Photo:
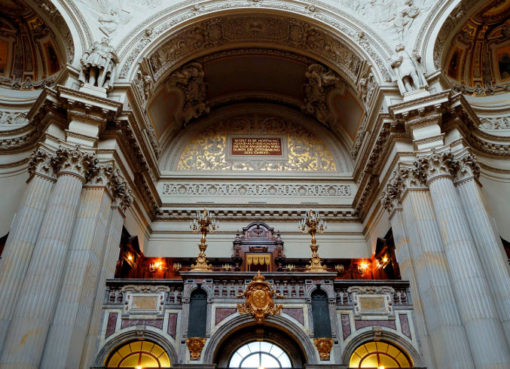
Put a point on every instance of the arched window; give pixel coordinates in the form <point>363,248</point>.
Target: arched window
<point>260,354</point>
<point>138,355</point>
<point>197,313</point>
<point>379,354</point>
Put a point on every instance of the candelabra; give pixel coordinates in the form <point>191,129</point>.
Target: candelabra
<point>204,223</point>
<point>311,223</point>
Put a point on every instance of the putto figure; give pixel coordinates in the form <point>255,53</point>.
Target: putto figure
<point>98,65</point>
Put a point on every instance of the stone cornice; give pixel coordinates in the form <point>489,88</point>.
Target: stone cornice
<point>266,214</point>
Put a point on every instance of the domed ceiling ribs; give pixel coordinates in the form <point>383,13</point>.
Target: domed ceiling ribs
<point>478,59</point>
<point>30,55</point>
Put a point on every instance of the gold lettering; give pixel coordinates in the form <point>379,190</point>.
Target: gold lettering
<point>256,146</point>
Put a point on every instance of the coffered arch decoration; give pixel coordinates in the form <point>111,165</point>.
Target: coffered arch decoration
<point>256,138</point>
<point>340,47</point>
<point>35,44</point>
<point>473,47</point>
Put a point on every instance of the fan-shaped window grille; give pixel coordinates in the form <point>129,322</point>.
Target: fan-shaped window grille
<point>139,354</point>
<point>378,354</point>
<point>260,354</point>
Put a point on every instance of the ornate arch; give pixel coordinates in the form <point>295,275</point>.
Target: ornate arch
<point>381,333</point>
<point>132,334</point>
<point>276,321</point>
<point>332,25</point>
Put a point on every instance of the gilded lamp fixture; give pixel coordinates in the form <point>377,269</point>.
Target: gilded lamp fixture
<point>311,223</point>
<point>204,223</point>
<point>259,301</point>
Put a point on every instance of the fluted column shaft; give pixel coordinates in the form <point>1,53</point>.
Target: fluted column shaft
<point>35,307</point>
<point>442,318</point>
<point>408,272</point>
<point>68,330</point>
<point>111,254</point>
<point>21,240</point>
<point>477,310</point>
<point>490,248</point>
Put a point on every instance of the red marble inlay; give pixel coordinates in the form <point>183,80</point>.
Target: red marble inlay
<point>296,313</point>
<point>404,325</point>
<point>126,323</point>
<point>222,313</point>
<point>346,325</point>
<point>172,325</point>
<point>373,323</point>
<point>112,323</point>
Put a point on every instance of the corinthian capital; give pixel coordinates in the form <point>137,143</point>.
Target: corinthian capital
<point>74,162</point>
<point>120,190</point>
<point>107,176</point>
<point>402,179</point>
<point>436,165</point>
<point>40,163</point>
<point>468,168</point>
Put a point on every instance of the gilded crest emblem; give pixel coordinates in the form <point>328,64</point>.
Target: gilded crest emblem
<point>259,302</point>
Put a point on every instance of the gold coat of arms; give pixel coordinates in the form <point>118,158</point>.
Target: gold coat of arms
<point>259,302</point>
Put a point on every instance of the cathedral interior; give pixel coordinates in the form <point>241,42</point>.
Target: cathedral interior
<point>261,184</point>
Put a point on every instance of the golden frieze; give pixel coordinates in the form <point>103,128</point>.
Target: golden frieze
<point>195,346</point>
<point>259,295</point>
<point>324,346</point>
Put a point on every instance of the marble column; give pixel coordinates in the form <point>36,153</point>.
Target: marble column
<point>34,310</point>
<point>446,331</point>
<point>408,273</point>
<point>111,254</point>
<point>490,249</point>
<point>23,235</point>
<point>68,331</point>
<point>488,344</point>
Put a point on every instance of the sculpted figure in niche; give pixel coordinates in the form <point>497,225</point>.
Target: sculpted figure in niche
<point>408,70</point>
<point>320,81</point>
<point>98,65</point>
<point>190,80</point>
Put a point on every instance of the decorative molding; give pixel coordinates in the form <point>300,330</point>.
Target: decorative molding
<point>266,214</point>
<point>495,123</point>
<point>324,346</point>
<point>259,295</point>
<point>248,189</point>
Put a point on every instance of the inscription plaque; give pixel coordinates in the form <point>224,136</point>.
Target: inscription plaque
<point>256,146</point>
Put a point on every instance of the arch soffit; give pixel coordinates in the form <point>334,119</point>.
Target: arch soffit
<point>276,321</point>
<point>78,29</point>
<point>382,334</point>
<point>132,334</point>
<point>173,146</point>
<point>334,27</point>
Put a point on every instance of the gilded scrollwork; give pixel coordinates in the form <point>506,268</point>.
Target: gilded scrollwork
<point>209,149</point>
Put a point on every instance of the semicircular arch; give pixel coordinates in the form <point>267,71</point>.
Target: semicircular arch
<point>286,326</point>
<point>332,40</point>
<point>133,334</point>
